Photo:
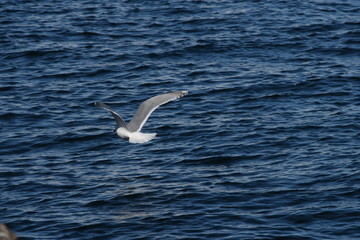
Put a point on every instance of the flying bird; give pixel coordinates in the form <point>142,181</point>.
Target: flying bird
<point>131,131</point>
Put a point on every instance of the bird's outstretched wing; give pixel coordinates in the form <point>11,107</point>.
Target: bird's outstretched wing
<point>119,121</point>
<point>146,108</point>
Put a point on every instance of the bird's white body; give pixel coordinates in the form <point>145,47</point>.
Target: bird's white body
<point>134,137</point>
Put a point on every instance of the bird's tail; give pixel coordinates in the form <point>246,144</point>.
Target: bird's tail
<point>138,137</point>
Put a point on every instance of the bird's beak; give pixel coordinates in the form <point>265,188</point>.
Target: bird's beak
<point>115,130</point>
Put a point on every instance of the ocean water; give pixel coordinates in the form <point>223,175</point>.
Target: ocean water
<point>266,145</point>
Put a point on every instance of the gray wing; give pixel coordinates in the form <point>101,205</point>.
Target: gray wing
<point>119,121</point>
<point>146,108</point>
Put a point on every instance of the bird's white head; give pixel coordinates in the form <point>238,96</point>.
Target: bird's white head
<point>123,133</point>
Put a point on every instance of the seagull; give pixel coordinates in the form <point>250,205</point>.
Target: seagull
<point>131,131</point>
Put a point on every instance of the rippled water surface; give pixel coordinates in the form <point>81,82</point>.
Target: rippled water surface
<point>266,145</point>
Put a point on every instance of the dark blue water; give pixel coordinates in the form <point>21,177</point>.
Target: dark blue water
<point>266,145</point>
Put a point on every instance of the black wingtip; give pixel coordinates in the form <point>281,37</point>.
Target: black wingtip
<point>97,104</point>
